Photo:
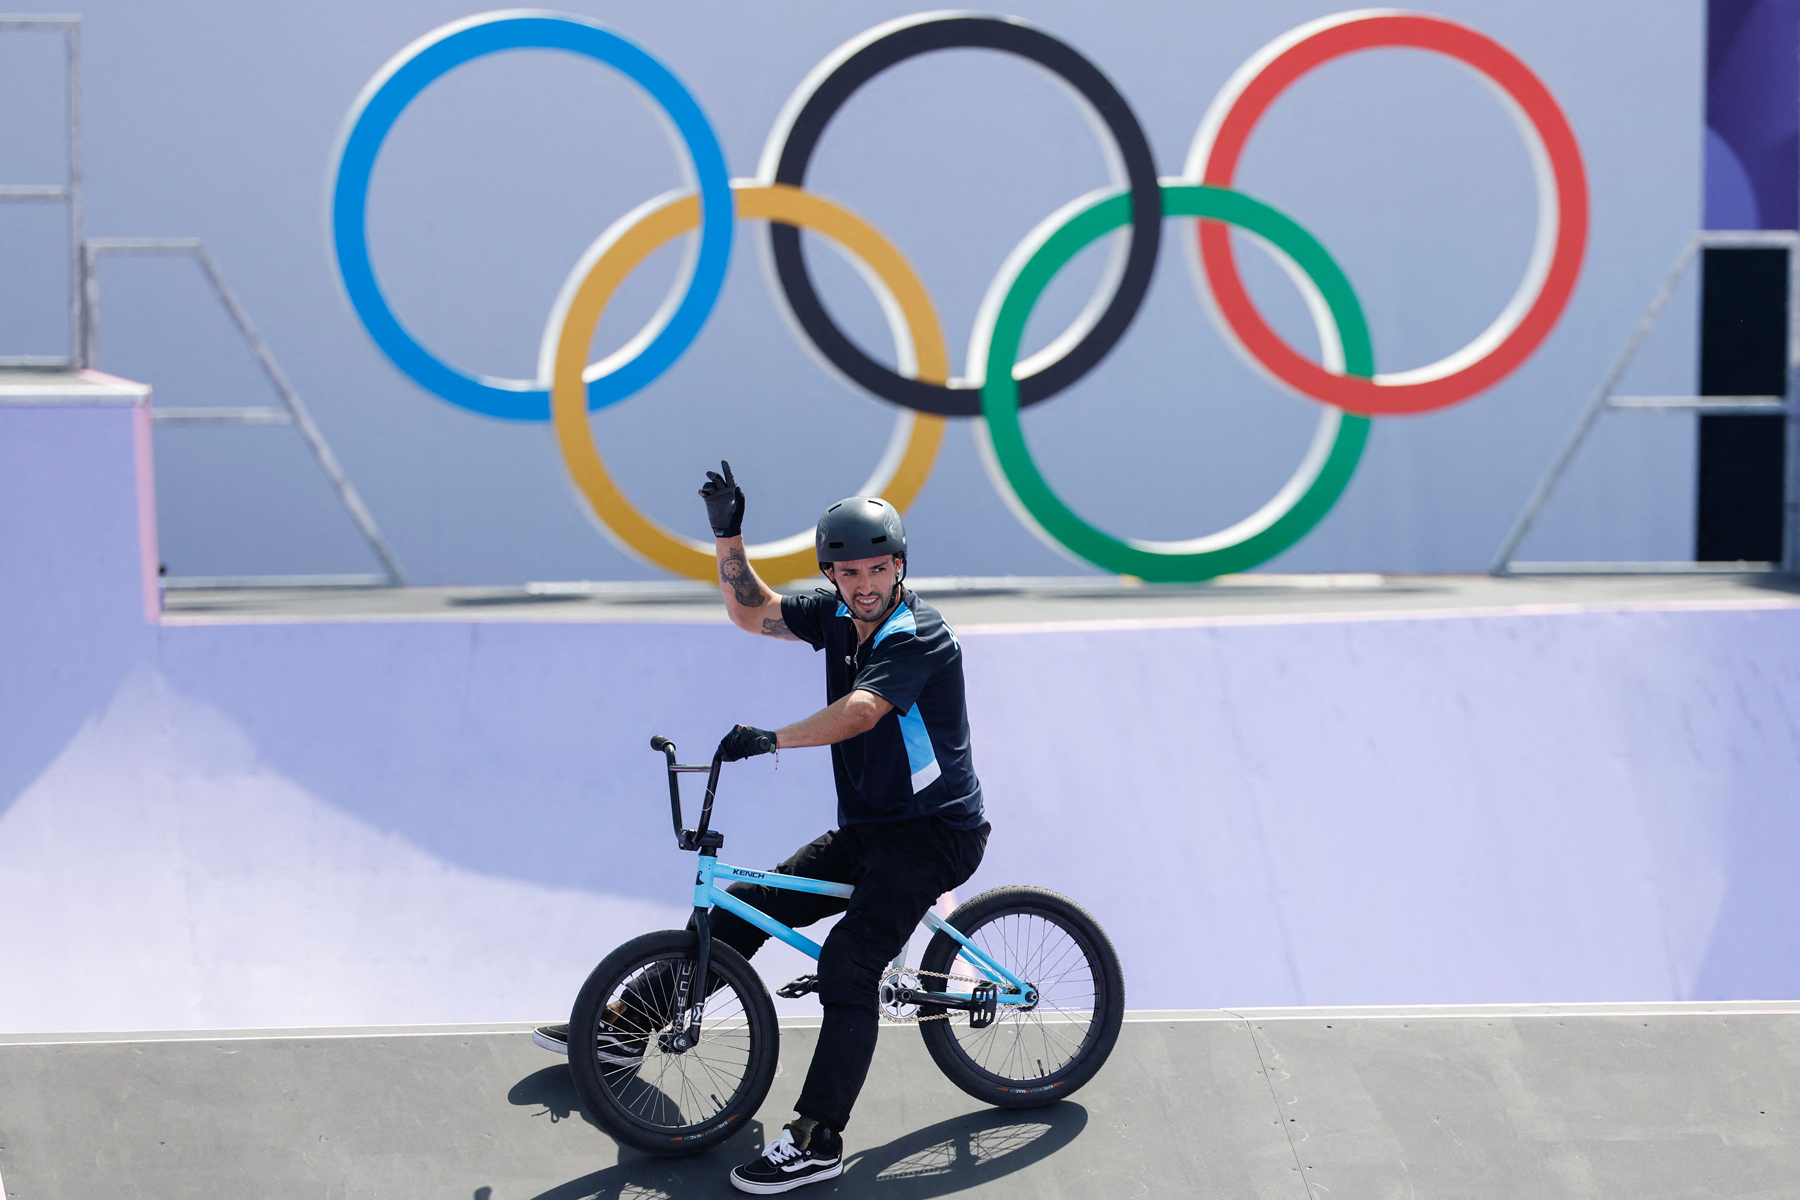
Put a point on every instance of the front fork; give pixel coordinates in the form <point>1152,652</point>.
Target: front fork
<point>690,988</point>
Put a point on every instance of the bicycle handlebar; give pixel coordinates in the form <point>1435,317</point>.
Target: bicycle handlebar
<point>689,839</point>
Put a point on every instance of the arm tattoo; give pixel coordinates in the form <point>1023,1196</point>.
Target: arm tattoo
<point>745,587</point>
<point>748,591</point>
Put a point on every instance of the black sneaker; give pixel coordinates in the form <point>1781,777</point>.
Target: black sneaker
<point>614,1049</point>
<point>785,1165</point>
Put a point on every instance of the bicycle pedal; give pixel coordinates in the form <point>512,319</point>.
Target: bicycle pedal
<point>798,988</point>
<point>983,1005</point>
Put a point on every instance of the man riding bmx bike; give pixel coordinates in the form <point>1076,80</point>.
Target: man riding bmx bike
<point>910,822</point>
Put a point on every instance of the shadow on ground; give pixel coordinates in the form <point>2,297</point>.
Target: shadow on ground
<point>554,1088</point>
<point>964,1152</point>
<point>951,1156</point>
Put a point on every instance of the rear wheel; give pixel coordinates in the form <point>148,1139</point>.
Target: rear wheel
<point>1037,1054</point>
<point>671,1101</point>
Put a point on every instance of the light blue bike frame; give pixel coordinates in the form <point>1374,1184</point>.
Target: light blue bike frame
<point>708,894</point>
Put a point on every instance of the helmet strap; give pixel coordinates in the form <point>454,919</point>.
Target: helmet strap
<point>899,582</point>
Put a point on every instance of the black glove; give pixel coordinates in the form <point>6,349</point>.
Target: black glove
<point>724,502</point>
<point>744,741</point>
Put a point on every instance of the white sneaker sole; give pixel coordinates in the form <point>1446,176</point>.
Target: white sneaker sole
<point>619,1060</point>
<point>562,1048</point>
<point>772,1189</point>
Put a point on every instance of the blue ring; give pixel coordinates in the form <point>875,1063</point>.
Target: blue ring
<point>423,63</point>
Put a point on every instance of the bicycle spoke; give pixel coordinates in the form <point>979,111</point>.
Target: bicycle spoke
<point>1025,1045</point>
<point>667,1089</point>
<point>1049,1034</point>
<point>712,1077</point>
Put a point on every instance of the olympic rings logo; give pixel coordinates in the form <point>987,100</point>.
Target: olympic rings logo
<point>996,385</point>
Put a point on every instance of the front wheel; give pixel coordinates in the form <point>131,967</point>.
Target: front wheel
<point>1028,1056</point>
<point>633,1077</point>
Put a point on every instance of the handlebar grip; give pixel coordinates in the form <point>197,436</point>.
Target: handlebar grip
<point>660,743</point>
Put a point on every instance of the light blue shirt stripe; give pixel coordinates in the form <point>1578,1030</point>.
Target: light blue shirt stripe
<point>901,622</point>
<point>919,754</point>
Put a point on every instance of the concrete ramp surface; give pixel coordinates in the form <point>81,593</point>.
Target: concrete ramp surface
<point>1660,1100</point>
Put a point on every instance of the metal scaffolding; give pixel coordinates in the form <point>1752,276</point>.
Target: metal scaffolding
<point>293,410</point>
<point>1606,400</point>
<point>84,309</point>
<point>67,192</point>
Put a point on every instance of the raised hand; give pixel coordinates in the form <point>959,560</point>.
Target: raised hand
<point>724,502</point>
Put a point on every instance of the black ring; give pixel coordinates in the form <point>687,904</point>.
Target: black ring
<point>987,33</point>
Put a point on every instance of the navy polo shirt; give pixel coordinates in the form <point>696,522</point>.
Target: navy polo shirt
<point>915,762</point>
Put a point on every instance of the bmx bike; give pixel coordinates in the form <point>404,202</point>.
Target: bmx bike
<point>673,1040</point>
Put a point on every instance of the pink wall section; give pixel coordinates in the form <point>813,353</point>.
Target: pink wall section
<point>144,474</point>
<point>388,821</point>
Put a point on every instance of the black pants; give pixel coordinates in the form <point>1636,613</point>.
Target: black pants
<point>899,870</point>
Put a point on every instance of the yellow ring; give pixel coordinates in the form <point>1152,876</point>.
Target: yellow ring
<point>902,471</point>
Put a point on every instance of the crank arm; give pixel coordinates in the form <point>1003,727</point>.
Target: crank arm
<point>937,999</point>
<point>980,1006</point>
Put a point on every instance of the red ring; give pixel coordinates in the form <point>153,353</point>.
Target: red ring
<point>1500,65</point>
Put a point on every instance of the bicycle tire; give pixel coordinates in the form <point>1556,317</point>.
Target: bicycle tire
<point>670,1103</point>
<point>1053,943</point>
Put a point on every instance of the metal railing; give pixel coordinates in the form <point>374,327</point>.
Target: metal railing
<point>84,307</point>
<point>1605,400</point>
<point>292,410</point>
<point>68,192</point>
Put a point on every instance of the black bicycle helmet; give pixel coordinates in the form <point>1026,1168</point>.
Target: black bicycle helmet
<point>859,527</point>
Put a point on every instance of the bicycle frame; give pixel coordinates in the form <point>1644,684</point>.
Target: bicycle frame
<point>708,894</point>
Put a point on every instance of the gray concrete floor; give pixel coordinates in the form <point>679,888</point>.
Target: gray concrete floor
<point>969,603</point>
<point>1627,1101</point>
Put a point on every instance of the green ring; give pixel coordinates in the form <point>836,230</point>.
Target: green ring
<point>1202,558</point>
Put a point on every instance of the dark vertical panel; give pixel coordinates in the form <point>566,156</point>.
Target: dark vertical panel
<point>1743,352</point>
<point>1752,182</point>
<point>1743,322</point>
